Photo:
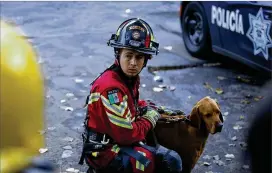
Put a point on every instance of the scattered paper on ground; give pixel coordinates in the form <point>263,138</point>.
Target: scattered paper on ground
<point>70,95</point>
<point>67,108</point>
<point>216,157</point>
<point>168,47</point>
<point>68,139</point>
<point>258,98</point>
<point>68,147</point>
<point>219,90</point>
<point>219,162</point>
<point>234,138</point>
<point>245,101</point>
<point>51,128</point>
<point>162,86</point>
<point>207,85</point>
<point>242,117</point>
<point>72,170</point>
<point>221,78</point>
<point>172,88</point>
<point>66,154</point>
<point>156,89</point>
<point>237,127</point>
<point>77,80</point>
<point>206,164</point>
<point>230,156</point>
<point>158,79</point>
<point>242,79</point>
<point>43,150</point>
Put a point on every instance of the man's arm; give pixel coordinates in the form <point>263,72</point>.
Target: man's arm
<point>124,129</point>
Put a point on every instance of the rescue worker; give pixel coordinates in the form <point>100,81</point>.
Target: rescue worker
<point>21,105</point>
<point>117,122</point>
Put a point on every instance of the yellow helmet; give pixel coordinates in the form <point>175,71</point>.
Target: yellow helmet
<point>22,101</point>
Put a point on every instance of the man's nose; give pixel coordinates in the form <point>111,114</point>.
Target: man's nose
<point>133,61</point>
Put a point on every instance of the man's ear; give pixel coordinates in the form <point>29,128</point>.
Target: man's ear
<point>195,117</point>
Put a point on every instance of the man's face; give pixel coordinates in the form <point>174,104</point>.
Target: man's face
<point>131,62</point>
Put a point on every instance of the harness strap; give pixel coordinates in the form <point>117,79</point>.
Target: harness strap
<point>136,155</point>
<point>149,148</point>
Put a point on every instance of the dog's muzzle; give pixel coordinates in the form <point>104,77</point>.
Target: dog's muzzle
<point>219,127</point>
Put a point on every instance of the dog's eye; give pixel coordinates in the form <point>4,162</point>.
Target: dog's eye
<point>208,115</point>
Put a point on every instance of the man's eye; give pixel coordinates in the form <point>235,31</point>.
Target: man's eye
<point>140,57</point>
<point>128,56</point>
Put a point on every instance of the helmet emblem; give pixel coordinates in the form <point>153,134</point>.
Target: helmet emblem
<point>136,35</point>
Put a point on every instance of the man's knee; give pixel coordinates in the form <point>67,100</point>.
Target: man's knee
<point>168,161</point>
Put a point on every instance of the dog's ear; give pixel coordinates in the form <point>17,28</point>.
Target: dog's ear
<point>195,117</point>
<point>221,117</point>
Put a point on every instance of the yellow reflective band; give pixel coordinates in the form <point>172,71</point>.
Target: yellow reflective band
<point>115,149</point>
<point>94,97</point>
<point>128,115</point>
<point>94,154</point>
<point>123,107</point>
<point>125,98</point>
<point>118,110</point>
<point>121,122</point>
<point>138,164</point>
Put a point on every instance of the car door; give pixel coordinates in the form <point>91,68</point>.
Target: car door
<point>246,31</point>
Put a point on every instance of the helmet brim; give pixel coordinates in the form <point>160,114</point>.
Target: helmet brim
<point>142,50</point>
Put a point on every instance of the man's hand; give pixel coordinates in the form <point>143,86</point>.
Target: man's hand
<point>152,116</point>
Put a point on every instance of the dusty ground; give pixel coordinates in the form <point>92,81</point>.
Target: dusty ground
<point>71,41</point>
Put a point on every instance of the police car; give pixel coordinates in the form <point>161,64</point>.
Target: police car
<point>240,30</point>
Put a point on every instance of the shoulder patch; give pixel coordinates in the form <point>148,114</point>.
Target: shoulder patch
<point>115,96</point>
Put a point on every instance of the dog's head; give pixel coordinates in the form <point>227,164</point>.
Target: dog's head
<point>207,111</point>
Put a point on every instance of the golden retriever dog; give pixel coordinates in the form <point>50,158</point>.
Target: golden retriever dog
<point>187,135</point>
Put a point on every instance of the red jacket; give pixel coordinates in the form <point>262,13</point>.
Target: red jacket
<point>112,111</point>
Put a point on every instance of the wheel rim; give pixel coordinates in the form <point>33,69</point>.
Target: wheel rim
<point>194,27</point>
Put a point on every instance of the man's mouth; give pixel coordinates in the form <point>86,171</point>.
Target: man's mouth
<point>132,70</point>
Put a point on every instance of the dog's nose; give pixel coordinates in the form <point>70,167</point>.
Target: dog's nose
<point>219,127</point>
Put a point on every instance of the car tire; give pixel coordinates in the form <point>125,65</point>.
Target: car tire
<point>197,47</point>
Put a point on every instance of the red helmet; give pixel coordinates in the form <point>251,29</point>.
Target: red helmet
<point>135,34</point>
